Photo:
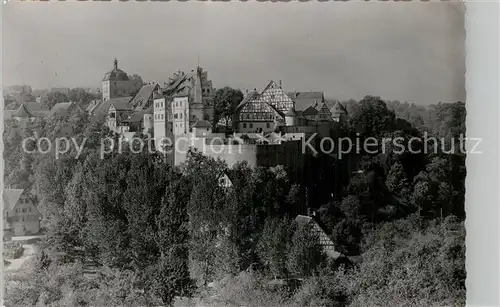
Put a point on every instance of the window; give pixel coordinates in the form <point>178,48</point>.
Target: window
<point>251,125</point>
<point>207,117</point>
<point>175,115</point>
<point>17,210</point>
<point>180,115</point>
<point>6,213</point>
<point>244,125</point>
<point>112,115</point>
<point>268,125</point>
<point>24,210</point>
<point>161,116</point>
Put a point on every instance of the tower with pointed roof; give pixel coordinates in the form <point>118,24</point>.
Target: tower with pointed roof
<point>116,84</point>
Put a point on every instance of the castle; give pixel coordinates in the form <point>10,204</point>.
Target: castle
<point>267,125</point>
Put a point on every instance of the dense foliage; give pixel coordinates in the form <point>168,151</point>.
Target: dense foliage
<point>154,233</point>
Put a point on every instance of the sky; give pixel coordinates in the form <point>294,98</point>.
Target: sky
<point>411,52</point>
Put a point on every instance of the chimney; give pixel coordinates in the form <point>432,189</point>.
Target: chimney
<point>280,84</point>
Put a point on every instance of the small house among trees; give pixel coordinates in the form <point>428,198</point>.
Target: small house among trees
<point>20,212</point>
<point>325,241</point>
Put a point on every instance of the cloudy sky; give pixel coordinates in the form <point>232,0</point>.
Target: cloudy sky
<point>404,51</point>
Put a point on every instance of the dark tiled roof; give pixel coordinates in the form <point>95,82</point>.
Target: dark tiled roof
<point>11,197</point>
<point>93,105</point>
<point>61,106</point>
<point>145,93</point>
<point>303,100</point>
<point>22,111</point>
<point>202,124</point>
<point>330,103</point>
<point>116,74</point>
<point>253,94</point>
<point>122,105</point>
<point>104,107</point>
<point>34,106</point>
<point>310,111</point>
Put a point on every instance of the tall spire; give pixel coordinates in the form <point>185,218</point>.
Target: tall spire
<point>115,62</point>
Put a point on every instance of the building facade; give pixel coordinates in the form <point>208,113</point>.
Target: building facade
<point>20,215</point>
<point>116,83</point>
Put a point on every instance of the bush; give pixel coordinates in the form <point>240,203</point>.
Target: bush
<point>13,250</point>
<point>249,289</point>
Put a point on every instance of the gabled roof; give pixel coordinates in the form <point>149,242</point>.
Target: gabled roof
<point>22,111</point>
<point>121,105</point>
<point>250,96</point>
<point>34,106</point>
<point>61,106</point>
<point>224,180</point>
<point>303,100</point>
<point>310,111</point>
<point>145,93</point>
<point>139,114</point>
<point>202,124</point>
<point>324,238</point>
<point>338,108</point>
<point>11,197</point>
<point>93,105</point>
<point>104,106</point>
<point>330,103</point>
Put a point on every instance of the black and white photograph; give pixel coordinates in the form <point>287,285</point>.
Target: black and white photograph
<point>206,154</point>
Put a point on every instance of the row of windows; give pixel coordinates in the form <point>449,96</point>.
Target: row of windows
<point>178,103</point>
<point>24,201</point>
<point>250,125</point>
<point>23,210</point>
<point>179,115</point>
<point>257,116</point>
<point>159,116</point>
<point>159,104</point>
<point>24,218</point>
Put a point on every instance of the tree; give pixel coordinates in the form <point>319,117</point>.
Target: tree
<point>372,117</point>
<point>274,245</point>
<point>226,100</point>
<point>397,182</point>
<point>54,98</point>
<point>169,276</point>
<point>351,207</point>
<point>347,236</point>
<point>306,252</point>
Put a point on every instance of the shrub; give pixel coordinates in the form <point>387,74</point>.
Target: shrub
<point>13,250</point>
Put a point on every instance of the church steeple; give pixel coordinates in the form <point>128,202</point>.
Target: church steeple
<point>115,62</point>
